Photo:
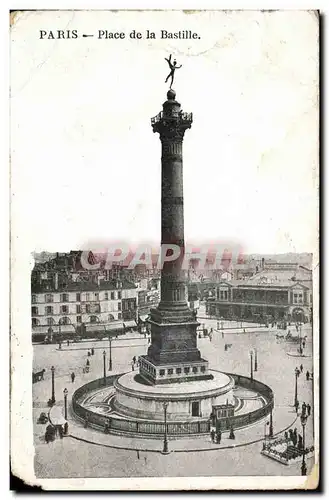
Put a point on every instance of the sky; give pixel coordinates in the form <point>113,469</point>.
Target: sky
<point>86,165</point>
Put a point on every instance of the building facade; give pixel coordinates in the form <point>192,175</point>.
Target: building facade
<point>279,292</point>
<point>81,306</point>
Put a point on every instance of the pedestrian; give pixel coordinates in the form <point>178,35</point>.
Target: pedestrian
<point>304,408</point>
<point>60,346</point>
<point>218,436</point>
<point>295,436</point>
<point>68,343</point>
<point>89,354</point>
<point>304,343</point>
<point>308,409</point>
<point>297,406</point>
<point>301,368</point>
<point>132,366</point>
<point>286,436</point>
<point>232,435</point>
<point>134,360</point>
<point>72,377</point>
<point>300,442</point>
<point>88,362</point>
<point>307,375</point>
<point>137,454</point>
<point>66,428</point>
<point>92,351</point>
<point>212,435</point>
<point>61,431</point>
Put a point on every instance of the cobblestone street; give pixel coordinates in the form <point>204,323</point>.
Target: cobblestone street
<point>115,456</point>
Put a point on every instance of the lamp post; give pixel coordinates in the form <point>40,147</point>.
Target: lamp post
<point>53,400</point>
<point>104,367</point>
<point>110,361</point>
<point>303,419</point>
<point>165,450</point>
<point>296,389</point>
<point>270,432</point>
<point>256,361</point>
<point>65,402</point>
<point>251,365</point>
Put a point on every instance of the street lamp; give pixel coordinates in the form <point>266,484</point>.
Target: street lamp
<point>256,361</point>
<point>165,450</point>
<point>65,402</point>
<point>53,400</point>
<point>251,365</point>
<point>303,419</point>
<point>110,361</point>
<point>104,367</point>
<point>296,389</point>
<point>270,433</point>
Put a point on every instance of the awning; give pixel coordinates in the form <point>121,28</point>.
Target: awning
<point>143,317</point>
<point>94,327</point>
<point>116,325</point>
<point>130,324</point>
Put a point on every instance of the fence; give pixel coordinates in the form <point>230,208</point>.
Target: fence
<point>154,428</point>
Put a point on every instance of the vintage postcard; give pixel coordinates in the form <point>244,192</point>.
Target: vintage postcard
<point>164,239</point>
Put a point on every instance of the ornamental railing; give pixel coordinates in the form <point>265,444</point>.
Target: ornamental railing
<point>153,428</point>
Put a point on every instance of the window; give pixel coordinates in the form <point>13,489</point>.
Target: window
<point>119,295</point>
<point>93,319</point>
<point>64,309</point>
<point>78,319</point>
<point>119,316</point>
<point>49,297</point>
<point>64,297</point>
<point>50,321</point>
<point>178,371</point>
<point>34,299</point>
<point>203,369</point>
<point>49,310</point>
<point>225,295</point>
<point>78,309</point>
<point>97,308</point>
<point>112,296</point>
<point>35,311</point>
<point>195,369</point>
<point>96,296</point>
<point>64,321</point>
<point>195,409</point>
<point>187,369</point>
<point>162,372</point>
<point>106,296</point>
<point>87,296</point>
<point>298,298</point>
<point>170,371</point>
<point>35,322</point>
<point>78,297</point>
<point>119,306</point>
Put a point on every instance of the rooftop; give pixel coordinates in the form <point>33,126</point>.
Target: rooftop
<point>82,286</point>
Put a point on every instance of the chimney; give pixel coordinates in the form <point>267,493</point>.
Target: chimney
<point>263,262</point>
<point>56,281</point>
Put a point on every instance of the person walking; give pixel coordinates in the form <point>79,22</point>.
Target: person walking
<point>307,375</point>
<point>88,362</point>
<point>304,408</point>
<point>92,351</point>
<point>218,436</point>
<point>301,368</point>
<point>308,409</point>
<point>134,360</point>
<point>212,435</point>
<point>72,377</point>
<point>89,354</point>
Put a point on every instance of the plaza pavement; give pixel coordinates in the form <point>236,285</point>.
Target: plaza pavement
<point>275,368</point>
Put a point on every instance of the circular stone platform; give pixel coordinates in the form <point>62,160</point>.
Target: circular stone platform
<point>186,400</point>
